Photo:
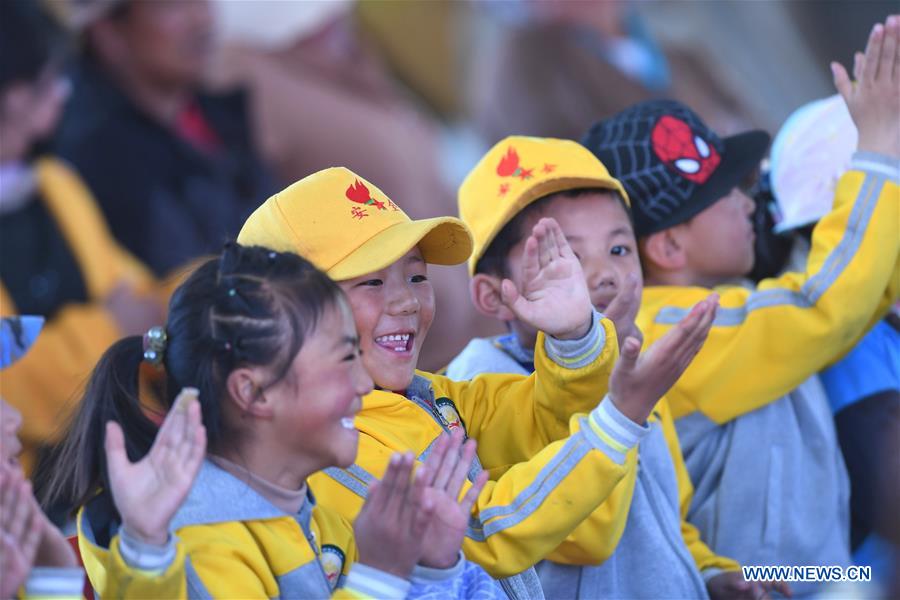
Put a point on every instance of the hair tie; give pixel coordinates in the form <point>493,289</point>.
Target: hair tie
<point>155,345</point>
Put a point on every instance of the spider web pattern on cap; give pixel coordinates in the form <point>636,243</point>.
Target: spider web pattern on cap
<point>624,143</point>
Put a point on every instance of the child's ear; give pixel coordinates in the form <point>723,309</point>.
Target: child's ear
<point>665,249</point>
<point>485,292</point>
<point>247,394</point>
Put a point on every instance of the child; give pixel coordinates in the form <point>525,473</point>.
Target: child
<point>348,227</point>
<point>270,345</point>
<point>770,483</point>
<point>574,188</point>
<point>34,555</point>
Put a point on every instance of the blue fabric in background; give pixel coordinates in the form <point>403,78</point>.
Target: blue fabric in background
<point>16,336</point>
<point>872,366</point>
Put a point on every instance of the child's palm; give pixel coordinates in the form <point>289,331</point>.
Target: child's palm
<point>446,469</point>
<point>554,297</point>
<point>149,492</point>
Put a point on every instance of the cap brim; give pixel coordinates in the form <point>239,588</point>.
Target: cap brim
<point>442,240</point>
<point>743,154</point>
<point>17,334</point>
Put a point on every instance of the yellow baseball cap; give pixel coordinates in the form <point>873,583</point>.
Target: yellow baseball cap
<point>347,227</point>
<point>519,170</point>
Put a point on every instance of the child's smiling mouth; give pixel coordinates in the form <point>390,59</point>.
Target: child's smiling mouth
<point>398,343</point>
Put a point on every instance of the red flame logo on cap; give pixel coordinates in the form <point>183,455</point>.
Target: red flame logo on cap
<point>680,148</point>
<point>360,194</point>
<point>509,167</point>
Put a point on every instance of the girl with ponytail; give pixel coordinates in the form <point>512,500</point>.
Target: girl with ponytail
<point>269,346</point>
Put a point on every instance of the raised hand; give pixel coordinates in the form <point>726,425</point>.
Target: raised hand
<point>639,380</point>
<point>554,297</point>
<point>445,472</point>
<point>624,308</point>
<point>390,528</point>
<point>149,492</point>
<point>873,99</point>
<point>20,529</point>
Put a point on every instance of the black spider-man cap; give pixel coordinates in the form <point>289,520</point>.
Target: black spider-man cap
<point>671,164</point>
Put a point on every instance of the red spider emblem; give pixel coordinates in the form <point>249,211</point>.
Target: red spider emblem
<point>679,147</point>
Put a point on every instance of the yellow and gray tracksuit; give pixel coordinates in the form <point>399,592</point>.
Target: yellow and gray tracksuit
<point>231,543</point>
<point>550,469</point>
<point>754,425</point>
<point>638,543</point>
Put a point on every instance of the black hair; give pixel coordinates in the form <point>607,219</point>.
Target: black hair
<point>248,307</point>
<point>494,261</point>
<point>30,42</point>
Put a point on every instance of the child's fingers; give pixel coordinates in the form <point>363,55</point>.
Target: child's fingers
<point>31,536</point>
<point>560,243</point>
<point>509,294</point>
<point>22,511</point>
<point>473,492</point>
<point>400,489</point>
<point>544,244</point>
<point>841,81</point>
<point>873,53</point>
<point>629,353</point>
<point>888,51</point>
<point>894,73</point>
<point>192,423</point>
<point>448,465</point>
<point>116,458</point>
<point>467,456</point>
<point>422,518</point>
<point>858,59</point>
<point>170,431</point>
<point>414,498</point>
<point>435,458</point>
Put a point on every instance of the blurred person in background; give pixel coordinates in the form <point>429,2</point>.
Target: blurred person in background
<point>554,68</point>
<point>174,168</point>
<point>322,96</point>
<point>59,260</point>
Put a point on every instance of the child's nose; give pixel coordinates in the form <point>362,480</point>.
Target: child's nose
<point>404,302</point>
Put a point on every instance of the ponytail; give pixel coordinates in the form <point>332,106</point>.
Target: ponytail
<point>77,468</point>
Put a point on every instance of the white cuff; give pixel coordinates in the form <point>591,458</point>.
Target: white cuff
<point>611,432</point>
<point>374,583</point>
<point>574,354</point>
<point>873,162</point>
<point>709,573</point>
<point>143,556</point>
<point>427,575</point>
<point>55,582</point>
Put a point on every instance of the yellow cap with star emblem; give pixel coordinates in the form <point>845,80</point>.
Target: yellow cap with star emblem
<point>517,171</point>
<point>347,227</point>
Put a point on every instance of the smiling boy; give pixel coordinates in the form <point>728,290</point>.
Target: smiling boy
<point>641,528</point>
<point>542,457</point>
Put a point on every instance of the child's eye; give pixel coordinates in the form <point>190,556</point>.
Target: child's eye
<point>371,282</point>
<point>418,278</point>
<point>357,353</point>
<point>620,250</point>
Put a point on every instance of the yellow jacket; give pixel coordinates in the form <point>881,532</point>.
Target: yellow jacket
<point>597,538</point>
<point>556,468</point>
<point>231,543</point>
<point>45,384</point>
<point>767,340</point>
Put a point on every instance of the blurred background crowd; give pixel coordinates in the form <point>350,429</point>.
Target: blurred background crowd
<point>137,135</point>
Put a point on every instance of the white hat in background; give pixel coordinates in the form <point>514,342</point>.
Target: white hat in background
<point>811,151</point>
<point>273,25</point>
